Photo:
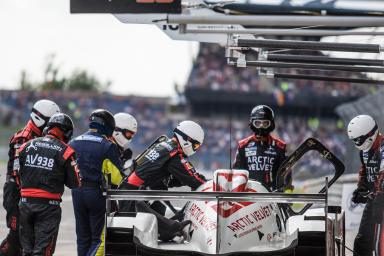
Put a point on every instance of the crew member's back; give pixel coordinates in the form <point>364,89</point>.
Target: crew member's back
<point>97,157</point>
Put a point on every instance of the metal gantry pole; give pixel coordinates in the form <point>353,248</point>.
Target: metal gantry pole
<point>141,195</point>
<point>324,78</point>
<point>278,20</point>
<point>307,45</point>
<point>267,64</point>
<point>323,60</point>
<point>280,32</point>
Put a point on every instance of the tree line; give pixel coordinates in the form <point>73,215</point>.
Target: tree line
<point>78,79</point>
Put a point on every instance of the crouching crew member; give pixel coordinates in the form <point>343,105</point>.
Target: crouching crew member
<point>166,159</point>
<point>364,132</point>
<point>261,154</point>
<point>97,156</point>
<point>41,112</point>
<point>46,165</point>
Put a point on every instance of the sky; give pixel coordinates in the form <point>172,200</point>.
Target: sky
<point>138,59</point>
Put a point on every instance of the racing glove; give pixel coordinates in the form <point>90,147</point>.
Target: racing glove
<point>127,154</point>
<point>129,164</point>
<point>378,208</point>
<point>360,196</point>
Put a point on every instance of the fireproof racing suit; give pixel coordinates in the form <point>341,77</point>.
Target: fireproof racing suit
<point>97,157</point>
<point>11,196</point>
<point>261,158</point>
<point>46,165</point>
<point>164,160</point>
<point>371,175</point>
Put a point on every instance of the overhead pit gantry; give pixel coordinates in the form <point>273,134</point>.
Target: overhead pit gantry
<point>242,27</point>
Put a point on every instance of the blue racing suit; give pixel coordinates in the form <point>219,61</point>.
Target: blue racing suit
<point>97,157</point>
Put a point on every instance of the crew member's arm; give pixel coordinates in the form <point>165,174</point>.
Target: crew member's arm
<point>112,165</point>
<point>72,173</point>
<point>288,179</point>
<point>13,162</point>
<point>362,179</point>
<point>240,162</point>
<point>14,146</point>
<point>379,185</point>
<point>378,202</point>
<point>362,186</point>
<point>281,151</point>
<point>184,171</point>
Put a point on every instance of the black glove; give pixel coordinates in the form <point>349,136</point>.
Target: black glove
<point>127,154</point>
<point>378,208</point>
<point>360,196</point>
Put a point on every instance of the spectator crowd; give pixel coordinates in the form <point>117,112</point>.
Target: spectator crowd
<point>155,119</point>
<point>210,71</point>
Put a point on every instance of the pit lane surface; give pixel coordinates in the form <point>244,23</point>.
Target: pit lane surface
<point>66,242</point>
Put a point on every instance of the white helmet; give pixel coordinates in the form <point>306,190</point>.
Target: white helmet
<point>126,128</point>
<point>363,131</point>
<point>190,136</point>
<point>43,110</point>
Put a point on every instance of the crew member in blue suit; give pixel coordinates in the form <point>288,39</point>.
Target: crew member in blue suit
<point>98,156</point>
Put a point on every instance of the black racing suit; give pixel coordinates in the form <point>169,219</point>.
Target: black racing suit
<point>11,196</point>
<point>46,165</point>
<point>166,159</point>
<point>370,178</point>
<point>261,158</point>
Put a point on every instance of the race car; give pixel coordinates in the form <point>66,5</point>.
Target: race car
<point>231,215</point>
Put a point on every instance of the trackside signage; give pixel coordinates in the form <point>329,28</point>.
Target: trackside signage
<point>125,6</point>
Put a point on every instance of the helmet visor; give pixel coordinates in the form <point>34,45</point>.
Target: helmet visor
<point>195,144</point>
<point>261,124</point>
<point>361,139</point>
<point>126,133</point>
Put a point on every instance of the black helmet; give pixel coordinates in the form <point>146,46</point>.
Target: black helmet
<point>103,121</point>
<point>262,120</point>
<point>63,122</point>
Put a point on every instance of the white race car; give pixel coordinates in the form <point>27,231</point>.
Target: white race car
<point>231,215</point>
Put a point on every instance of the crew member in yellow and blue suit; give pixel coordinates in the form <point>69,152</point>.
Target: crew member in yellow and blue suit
<point>97,157</point>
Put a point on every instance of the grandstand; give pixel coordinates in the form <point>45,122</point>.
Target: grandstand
<point>218,96</point>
